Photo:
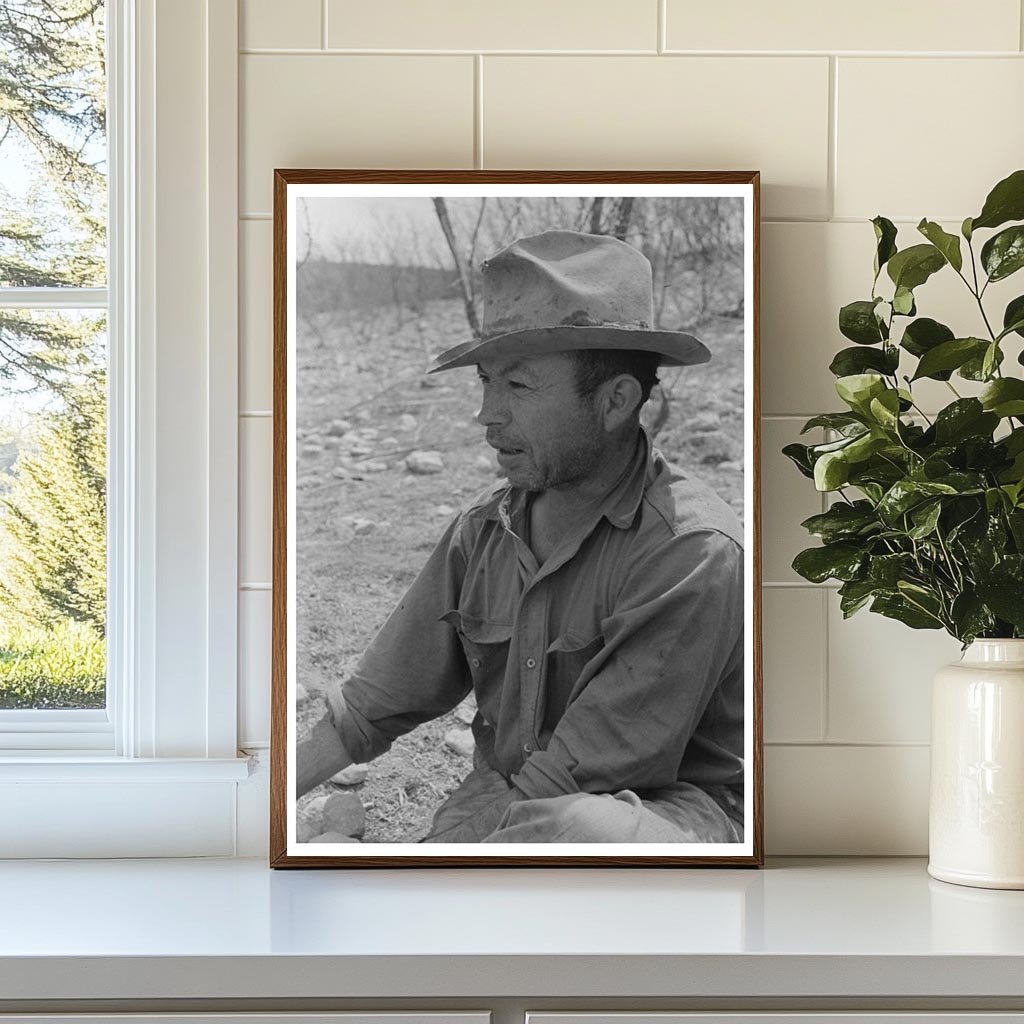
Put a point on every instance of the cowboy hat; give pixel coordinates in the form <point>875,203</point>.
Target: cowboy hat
<point>565,290</point>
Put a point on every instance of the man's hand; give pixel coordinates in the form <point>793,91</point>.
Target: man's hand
<point>319,756</point>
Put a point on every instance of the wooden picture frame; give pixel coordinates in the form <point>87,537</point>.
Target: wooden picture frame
<point>367,289</point>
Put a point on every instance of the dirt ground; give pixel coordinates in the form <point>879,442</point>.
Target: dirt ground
<point>365,524</point>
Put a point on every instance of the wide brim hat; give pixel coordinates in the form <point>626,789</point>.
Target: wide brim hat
<point>563,291</point>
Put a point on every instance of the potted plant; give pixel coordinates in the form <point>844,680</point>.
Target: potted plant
<point>927,521</point>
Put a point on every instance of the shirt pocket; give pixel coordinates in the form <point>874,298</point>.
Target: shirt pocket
<point>485,644</point>
<point>568,655</point>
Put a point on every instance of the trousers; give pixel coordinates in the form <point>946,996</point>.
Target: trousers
<point>681,813</point>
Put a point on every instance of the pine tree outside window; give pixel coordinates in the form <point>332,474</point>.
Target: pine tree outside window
<point>53,367</point>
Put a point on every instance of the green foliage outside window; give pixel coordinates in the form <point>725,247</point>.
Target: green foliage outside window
<point>52,365</point>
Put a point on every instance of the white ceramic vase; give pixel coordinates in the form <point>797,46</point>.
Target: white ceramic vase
<point>976,815</point>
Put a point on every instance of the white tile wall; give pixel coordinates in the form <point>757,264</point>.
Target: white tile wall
<point>698,113</point>
<point>920,121</point>
<point>473,25</point>
<point>877,25</point>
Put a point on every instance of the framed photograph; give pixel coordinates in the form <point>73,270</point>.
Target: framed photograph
<point>516,558</point>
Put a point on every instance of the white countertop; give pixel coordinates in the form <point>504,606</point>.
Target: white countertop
<point>234,928</point>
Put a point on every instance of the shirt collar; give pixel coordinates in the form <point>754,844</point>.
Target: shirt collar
<point>648,474</point>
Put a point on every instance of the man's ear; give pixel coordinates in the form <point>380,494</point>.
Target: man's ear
<point>622,395</point>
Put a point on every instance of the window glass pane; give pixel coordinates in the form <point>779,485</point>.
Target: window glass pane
<point>52,509</point>
<point>53,149</point>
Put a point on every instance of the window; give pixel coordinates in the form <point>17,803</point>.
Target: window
<point>170,294</point>
<point>53,370</point>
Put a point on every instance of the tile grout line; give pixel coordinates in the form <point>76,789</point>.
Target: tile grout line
<point>825,722</point>
<point>258,51</point>
<point>478,111</point>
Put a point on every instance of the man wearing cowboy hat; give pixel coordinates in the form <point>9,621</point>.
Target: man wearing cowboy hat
<point>592,605</point>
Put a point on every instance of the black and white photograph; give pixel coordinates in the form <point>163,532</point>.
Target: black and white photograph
<point>515,561</point>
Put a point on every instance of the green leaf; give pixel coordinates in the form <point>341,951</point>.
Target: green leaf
<point>885,409</point>
<point>885,236</point>
<point>857,321</point>
<point>1013,318</point>
<point>831,471</point>
<point>849,361</point>
<point>858,389</point>
<point>974,368</point>
<point>966,229</point>
<point>947,244</point>
<point>840,561</point>
<point>970,617</point>
<point>897,607</point>
<point>843,521</point>
<point>950,355</point>
<point>1005,202</point>
<point>1004,397</point>
<point>1003,254</point>
<point>887,570</point>
<point>990,360</point>
<point>904,495</point>
<point>912,267</point>
<point>854,594</point>
<point>1006,599</point>
<point>925,518</point>
<point>923,335</point>
<point>841,421</point>
<point>966,417</point>
<point>903,302</point>
<point>799,454</point>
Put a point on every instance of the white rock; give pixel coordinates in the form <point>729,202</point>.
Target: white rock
<point>309,819</point>
<point>424,463</point>
<point>351,776</point>
<point>731,467</point>
<point>466,711</point>
<point>338,428</point>
<point>369,433</point>
<point>344,813</point>
<point>341,472</point>
<point>331,837</point>
<point>461,741</point>
<point>444,510</point>
<point>350,437</point>
<point>373,466</point>
<point>407,421</point>
<point>359,526</point>
<point>389,442</point>
<point>312,449</point>
<point>484,462</point>
<point>301,694</point>
<point>359,449</point>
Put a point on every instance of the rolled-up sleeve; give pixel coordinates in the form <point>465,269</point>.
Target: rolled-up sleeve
<point>671,639</point>
<point>414,669</point>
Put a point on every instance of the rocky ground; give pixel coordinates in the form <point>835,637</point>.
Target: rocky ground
<point>386,457</point>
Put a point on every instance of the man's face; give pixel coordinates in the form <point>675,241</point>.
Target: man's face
<point>545,434</point>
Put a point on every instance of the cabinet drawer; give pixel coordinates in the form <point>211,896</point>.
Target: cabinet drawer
<point>360,1017</point>
<point>790,1017</point>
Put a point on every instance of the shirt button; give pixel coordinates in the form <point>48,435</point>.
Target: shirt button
<point>476,663</point>
<point>528,748</point>
<point>531,663</point>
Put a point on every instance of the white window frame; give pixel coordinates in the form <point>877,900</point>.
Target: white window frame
<point>170,730</point>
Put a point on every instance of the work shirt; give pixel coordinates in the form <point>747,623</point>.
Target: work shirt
<point>617,664</point>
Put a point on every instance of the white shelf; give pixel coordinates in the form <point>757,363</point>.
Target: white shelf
<point>233,929</point>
